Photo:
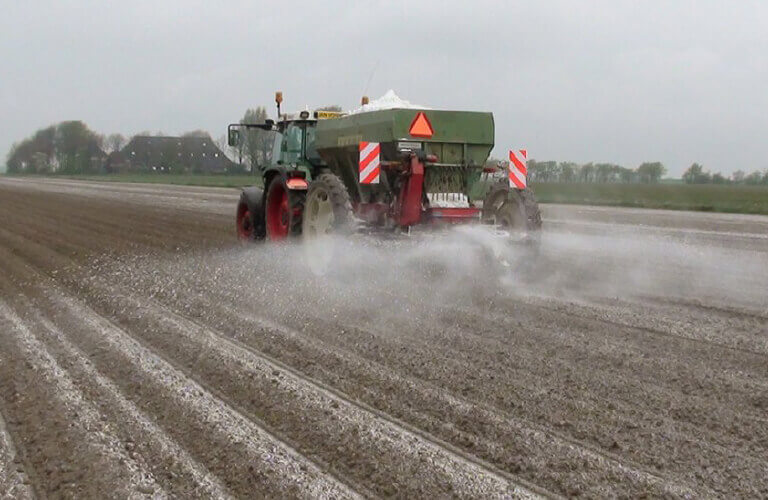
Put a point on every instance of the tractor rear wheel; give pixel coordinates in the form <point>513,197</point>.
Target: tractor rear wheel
<point>514,210</point>
<point>327,209</point>
<point>283,210</point>
<point>327,213</point>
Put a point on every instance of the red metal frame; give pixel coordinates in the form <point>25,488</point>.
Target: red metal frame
<point>408,211</point>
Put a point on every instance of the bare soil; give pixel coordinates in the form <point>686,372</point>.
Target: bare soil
<point>144,352</point>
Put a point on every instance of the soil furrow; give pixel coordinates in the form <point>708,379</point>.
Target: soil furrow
<point>68,434</point>
<point>624,363</point>
<point>14,481</point>
<point>530,436</point>
<point>178,473</point>
<point>371,439</point>
<point>358,338</point>
<point>600,463</point>
<point>233,446</point>
<point>405,445</point>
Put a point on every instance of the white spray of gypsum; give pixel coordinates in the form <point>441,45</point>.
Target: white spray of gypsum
<point>377,279</point>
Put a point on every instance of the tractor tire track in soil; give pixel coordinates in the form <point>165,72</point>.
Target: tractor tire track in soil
<point>144,353</point>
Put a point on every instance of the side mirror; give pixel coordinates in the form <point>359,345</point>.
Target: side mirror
<point>233,137</point>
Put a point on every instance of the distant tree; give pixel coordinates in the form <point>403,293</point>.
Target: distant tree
<point>229,151</point>
<point>694,174</point>
<point>75,145</point>
<point>533,170</point>
<point>586,172</point>
<point>257,144</point>
<point>754,178</point>
<point>605,172</point>
<point>549,171</point>
<point>568,171</point>
<point>626,175</point>
<point>11,166</point>
<point>33,154</point>
<point>718,178</point>
<point>738,176</point>
<point>651,172</point>
<point>115,142</point>
<point>765,176</point>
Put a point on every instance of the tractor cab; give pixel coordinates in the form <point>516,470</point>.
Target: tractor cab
<point>292,140</point>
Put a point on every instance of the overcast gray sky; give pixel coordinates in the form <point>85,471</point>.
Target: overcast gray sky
<point>625,82</point>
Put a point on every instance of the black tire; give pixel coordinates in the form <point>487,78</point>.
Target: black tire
<point>249,220</point>
<point>513,208</point>
<point>330,187</point>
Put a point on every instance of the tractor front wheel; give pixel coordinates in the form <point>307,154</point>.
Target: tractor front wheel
<point>244,223</point>
<point>249,217</point>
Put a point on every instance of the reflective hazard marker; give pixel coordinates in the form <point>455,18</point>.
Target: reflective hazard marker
<point>517,169</point>
<point>369,162</point>
<point>420,126</point>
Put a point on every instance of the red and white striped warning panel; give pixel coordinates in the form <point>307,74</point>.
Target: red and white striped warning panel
<point>369,162</point>
<point>517,170</point>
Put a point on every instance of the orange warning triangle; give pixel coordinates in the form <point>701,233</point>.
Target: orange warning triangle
<point>420,127</point>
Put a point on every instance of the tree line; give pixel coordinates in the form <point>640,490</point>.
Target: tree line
<point>71,147</point>
<point>68,147</point>
<point>570,172</point>
<point>696,174</point>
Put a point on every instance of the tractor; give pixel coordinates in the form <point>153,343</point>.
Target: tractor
<point>392,170</point>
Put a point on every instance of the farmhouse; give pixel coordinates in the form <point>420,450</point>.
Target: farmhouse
<point>169,154</point>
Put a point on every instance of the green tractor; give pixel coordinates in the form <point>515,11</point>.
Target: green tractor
<point>385,170</point>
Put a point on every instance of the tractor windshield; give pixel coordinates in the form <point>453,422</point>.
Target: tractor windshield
<point>292,142</point>
<point>296,140</point>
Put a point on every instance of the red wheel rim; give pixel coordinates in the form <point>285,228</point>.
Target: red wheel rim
<point>244,223</point>
<point>278,217</point>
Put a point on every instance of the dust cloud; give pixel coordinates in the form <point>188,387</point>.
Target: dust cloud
<point>376,280</point>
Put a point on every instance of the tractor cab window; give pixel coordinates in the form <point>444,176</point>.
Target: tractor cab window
<point>292,144</point>
<point>277,141</point>
<point>311,153</point>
